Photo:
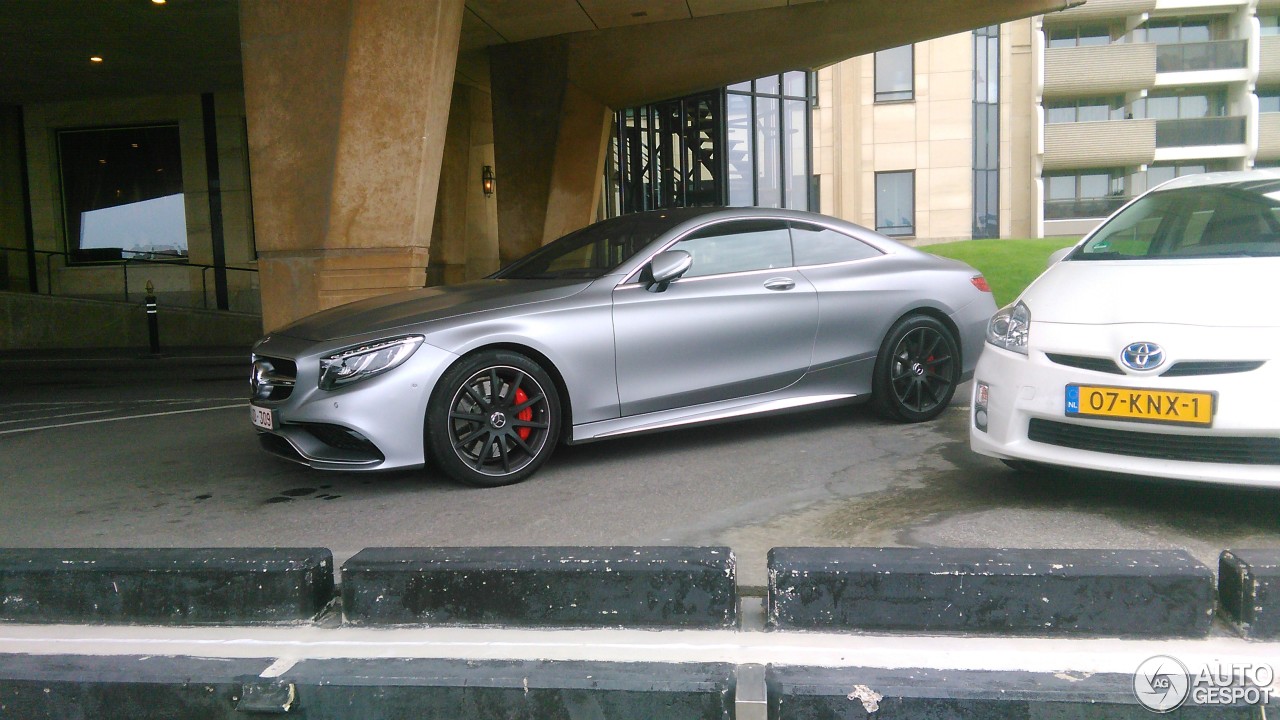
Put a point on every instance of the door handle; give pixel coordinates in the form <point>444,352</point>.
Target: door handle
<point>779,283</point>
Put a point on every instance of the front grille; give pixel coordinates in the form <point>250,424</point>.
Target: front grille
<point>1188,448</point>
<point>273,378</point>
<point>1212,367</point>
<point>1085,362</point>
<point>1186,368</point>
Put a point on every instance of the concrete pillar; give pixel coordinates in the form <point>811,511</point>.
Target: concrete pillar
<point>13,220</point>
<point>550,138</point>
<point>347,104</point>
<point>464,244</point>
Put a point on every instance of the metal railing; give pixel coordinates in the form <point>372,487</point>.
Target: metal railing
<point>1213,55</point>
<point>1191,132</point>
<point>1083,207</point>
<point>123,280</point>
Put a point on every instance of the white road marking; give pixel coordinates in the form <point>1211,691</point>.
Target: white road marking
<point>117,419</point>
<point>51,417</point>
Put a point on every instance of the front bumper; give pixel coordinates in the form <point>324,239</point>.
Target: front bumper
<point>1026,415</point>
<point>374,424</point>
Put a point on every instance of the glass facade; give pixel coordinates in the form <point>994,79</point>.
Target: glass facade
<point>745,145</point>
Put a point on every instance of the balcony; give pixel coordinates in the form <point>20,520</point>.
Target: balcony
<point>1083,207</point>
<point>1269,136</point>
<point>1201,56</point>
<point>1099,69</point>
<point>1105,9</point>
<point>1110,143</point>
<point>1196,132</point>
<point>1269,61</point>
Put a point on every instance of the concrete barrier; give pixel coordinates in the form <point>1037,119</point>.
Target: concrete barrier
<point>175,586</point>
<point>125,688</point>
<point>813,693</point>
<point>637,587</point>
<point>423,688</point>
<point>1249,591</point>
<point>1135,593</point>
<point>59,687</point>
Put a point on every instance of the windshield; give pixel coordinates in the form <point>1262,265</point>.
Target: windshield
<point>1191,222</point>
<point>594,250</point>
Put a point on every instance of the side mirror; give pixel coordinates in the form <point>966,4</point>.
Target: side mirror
<point>665,267</point>
<point>1057,255</point>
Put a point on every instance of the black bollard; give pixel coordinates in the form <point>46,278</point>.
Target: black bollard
<point>153,323</point>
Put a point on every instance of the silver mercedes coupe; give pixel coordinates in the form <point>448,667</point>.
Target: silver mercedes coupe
<point>634,324</point>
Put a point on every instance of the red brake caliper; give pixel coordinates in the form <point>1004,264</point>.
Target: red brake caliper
<point>525,414</point>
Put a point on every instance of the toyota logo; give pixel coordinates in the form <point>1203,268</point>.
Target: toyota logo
<point>1142,356</point>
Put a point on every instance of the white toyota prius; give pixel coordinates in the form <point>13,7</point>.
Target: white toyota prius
<point>1150,348</point>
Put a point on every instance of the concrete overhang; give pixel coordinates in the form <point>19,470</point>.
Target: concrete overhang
<point>621,51</point>
<point>693,46</point>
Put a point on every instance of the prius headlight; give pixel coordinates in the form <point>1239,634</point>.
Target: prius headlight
<point>365,361</point>
<point>1010,328</point>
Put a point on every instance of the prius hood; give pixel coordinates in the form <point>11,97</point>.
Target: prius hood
<point>399,310</point>
<point>1217,292</point>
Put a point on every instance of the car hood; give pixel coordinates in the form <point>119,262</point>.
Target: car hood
<point>1221,292</point>
<point>398,310</point>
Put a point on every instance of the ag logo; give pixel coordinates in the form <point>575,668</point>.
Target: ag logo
<point>1161,683</point>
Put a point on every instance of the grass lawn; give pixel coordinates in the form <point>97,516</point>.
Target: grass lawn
<point>1008,264</point>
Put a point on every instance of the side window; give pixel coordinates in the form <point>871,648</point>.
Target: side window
<point>738,247</point>
<point>816,245</point>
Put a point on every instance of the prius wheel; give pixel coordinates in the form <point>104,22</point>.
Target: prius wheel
<point>493,419</point>
<point>917,370</point>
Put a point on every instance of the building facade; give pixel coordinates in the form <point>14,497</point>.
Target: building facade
<point>1044,126</point>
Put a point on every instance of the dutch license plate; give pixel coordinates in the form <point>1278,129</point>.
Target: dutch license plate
<point>1179,407</point>
<point>262,417</point>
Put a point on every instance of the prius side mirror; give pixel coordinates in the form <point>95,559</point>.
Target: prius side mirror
<point>665,267</point>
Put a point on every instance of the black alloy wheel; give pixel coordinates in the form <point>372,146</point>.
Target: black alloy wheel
<point>493,419</point>
<point>917,370</point>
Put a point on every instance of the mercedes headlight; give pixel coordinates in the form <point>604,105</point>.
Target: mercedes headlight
<point>365,361</point>
<point>1010,328</point>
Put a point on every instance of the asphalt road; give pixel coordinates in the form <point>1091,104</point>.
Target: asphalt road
<point>111,450</point>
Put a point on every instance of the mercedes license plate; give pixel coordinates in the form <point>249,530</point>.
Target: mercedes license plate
<point>262,417</point>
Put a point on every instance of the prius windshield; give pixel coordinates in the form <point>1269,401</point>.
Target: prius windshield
<point>597,249</point>
<point>1235,220</point>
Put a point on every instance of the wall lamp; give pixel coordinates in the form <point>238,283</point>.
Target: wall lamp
<point>486,180</point>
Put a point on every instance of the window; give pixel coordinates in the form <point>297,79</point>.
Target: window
<point>1084,193</point>
<point>1181,105</point>
<point>1079,36</point>
<point>986,132</point>
<point>122,193</point>
<point>814,245</point>
<point>895,74</point>
<point>1163,172</point>
<point>734,247</point>
<point>1167,31</point>
<point>896,202</point>
<point>1269,99</point>
<point>1269,24</point>
<point>1084,110</point>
